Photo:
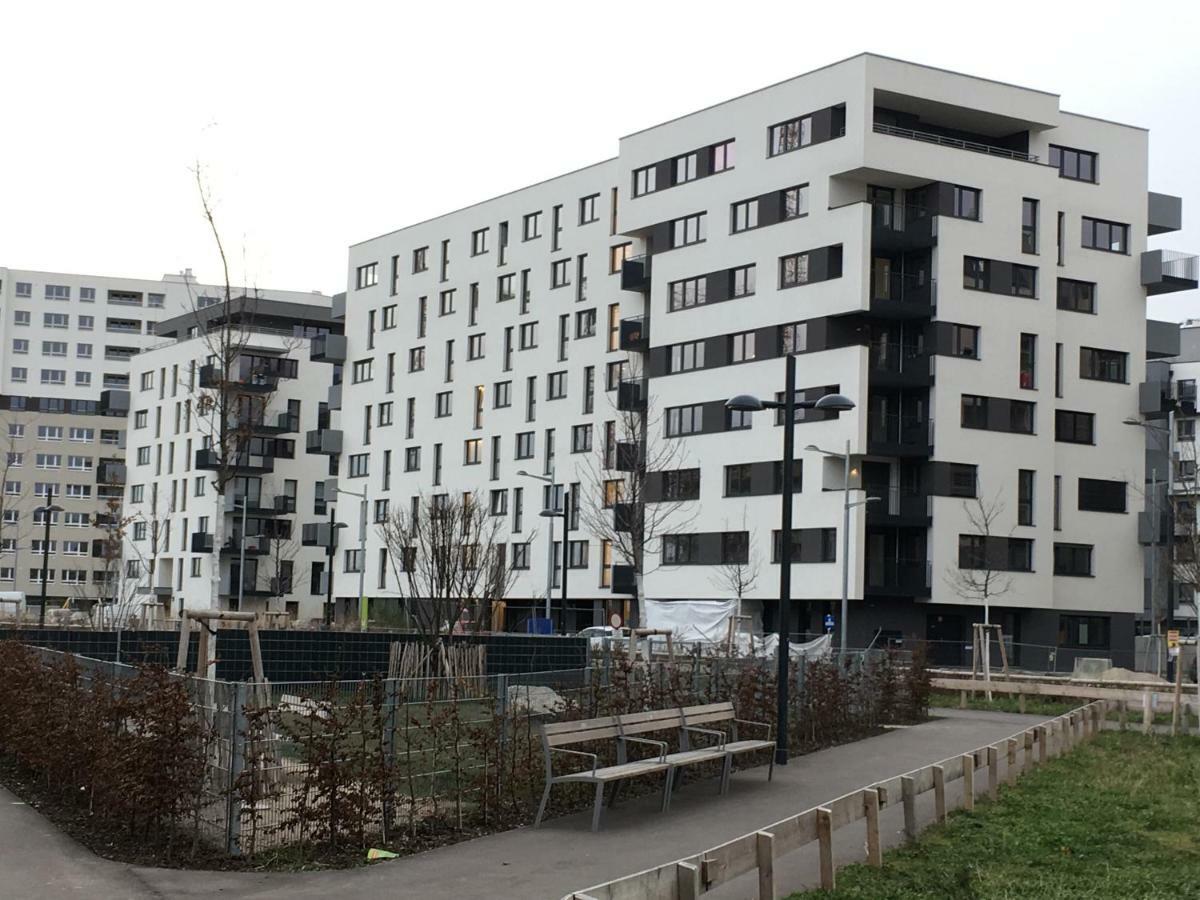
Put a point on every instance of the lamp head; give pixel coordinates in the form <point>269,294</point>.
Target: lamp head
<point>744,403</point>
<point>550,513</point>
<point>835,403</point>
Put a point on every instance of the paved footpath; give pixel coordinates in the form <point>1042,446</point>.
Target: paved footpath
<point>37,862</point>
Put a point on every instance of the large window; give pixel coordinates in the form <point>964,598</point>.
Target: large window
<point>680,549</point>
<point>1073,559</point>
<point>686,357</point>
<point>966,203</point>
<point>1076,296</point>
<point>684,168</point>
<point>1112,237</point>
<point>793,270</point>
<point>1090,632</point>
<point>681,484</point>
<point>1077,164</point>
<point>688,293</point>
<point>744,216</point>
<point>737,480</point>
<point>794,202</point>
<point>964,341</point>
<point>645,181</point>
<point>791,135</point>
<point>741,347</point>
<point>366,276</point>
<point>1103,365</point>
<point>975,273</point>
<point>688,230</point>
<point>1100,495</point>
<point>1072,427</point>
<point>683,420</point>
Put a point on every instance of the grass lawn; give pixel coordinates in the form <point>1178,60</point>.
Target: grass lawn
<point>1117,818</point>
<point>1036,705</point>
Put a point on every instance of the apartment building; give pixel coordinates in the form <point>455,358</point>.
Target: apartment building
<point>190,545</point>
<point>962,258</point>
<point>66,342</point>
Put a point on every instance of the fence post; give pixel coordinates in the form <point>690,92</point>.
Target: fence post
<point>968,767</point>
<point>1122,714</point>
<point>871,808</point>
<point>908,796</point>
<point>1027,760</point>
<point>388,740</point>
<point>993,761</point>
<point>764,858</point>
<point>825,847</point>
<point>1010,770</point>
<point>1147,713</point>
<point>939,794</point>
<point>235,695</point>
<point>687,880</point>
<point>1043,734</point>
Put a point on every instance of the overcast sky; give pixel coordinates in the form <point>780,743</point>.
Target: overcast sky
<point>320,125</point>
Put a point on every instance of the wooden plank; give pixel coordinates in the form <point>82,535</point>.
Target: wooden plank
<point>687,878</point>
<point>1056,689</point>
<point>968,772</point>
<point>908,795</point>
<point>794,832</point>
<point>939,794</point>
<point>705,708</point>
<point>871,810</point>
<point>1122,714</point>
<point>889,791</point>
<point>922,779</point>
<point>825,840</point>
<point>764,851</point>
<point>728,861</point>
<point>651,715</point>
<point>952,768</point>
<point>846,809</point>
<point>185,631</point>
<point>993,764</point>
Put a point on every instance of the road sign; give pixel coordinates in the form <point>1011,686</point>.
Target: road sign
<point>615,621</point>
<point>829,622</point>
<point>1172,638</point>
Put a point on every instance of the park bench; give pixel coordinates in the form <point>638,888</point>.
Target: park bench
<point>689,722</point>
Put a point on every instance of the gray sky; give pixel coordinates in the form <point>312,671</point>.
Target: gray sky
<point>321,125</point>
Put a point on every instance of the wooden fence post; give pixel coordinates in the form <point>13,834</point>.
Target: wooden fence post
<point>764,851</point>
<point>687,878</point>
<point>1021,702</point>
<point>1010,770</point>
<point>1122,714</point>
<point>939,794</point>
<point>908,796</point>
<point>968,767</point>
<point>1027,760</point>
<point>993,759</point>
<point>1147,714</point>
<point>1043,734</point>
<point>871,808</point>
<point>825,847</point>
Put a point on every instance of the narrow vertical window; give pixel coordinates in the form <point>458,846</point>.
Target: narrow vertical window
<point>1028,354</point>
<point>1029,226</point>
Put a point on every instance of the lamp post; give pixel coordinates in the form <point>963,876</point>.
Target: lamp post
<point>47,512</point>
<point>330,544</point>
<point>1165,437</point>
<point>789,405</point>
<point>847,505</point>
<point>362,552</point>
<point>548,479</point>
<point>565,514</point>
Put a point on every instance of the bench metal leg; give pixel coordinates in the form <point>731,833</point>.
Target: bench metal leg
<point>542,807</point>
<point>598,806</point>
<point>771,767</point>
<point>666,800</point>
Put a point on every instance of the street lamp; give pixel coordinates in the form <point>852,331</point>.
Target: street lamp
<point>548,479</point>
<point>750,403</point>
<point>330,544</point>
<point>1165,437</point>
<point>565,514</point>
<point>846,507</point>
<point>48,512</point>
<point>362,552</point>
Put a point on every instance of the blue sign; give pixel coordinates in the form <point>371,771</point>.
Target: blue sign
<point>828,622</point>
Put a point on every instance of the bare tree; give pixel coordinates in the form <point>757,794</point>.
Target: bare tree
<point>739,574</point>
<point>282,549</point>
<point>448,559</point>
<point>626,500</point>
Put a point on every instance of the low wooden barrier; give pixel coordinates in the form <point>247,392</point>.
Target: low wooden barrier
<point>692,876</point>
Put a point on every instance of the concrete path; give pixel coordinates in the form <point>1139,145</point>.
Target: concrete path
<point>39,863</point>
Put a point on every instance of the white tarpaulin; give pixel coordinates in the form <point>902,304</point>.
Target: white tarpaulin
<point>768,644</point>
<point>691,620</point>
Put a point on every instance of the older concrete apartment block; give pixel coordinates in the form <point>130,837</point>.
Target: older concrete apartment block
<point>66,345</point>
<point>961,257</point>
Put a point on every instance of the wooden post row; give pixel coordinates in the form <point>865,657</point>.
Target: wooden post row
<point>968,767</point>
<point>764,852</point>
<point>825,840</point>
<point>871,809</point>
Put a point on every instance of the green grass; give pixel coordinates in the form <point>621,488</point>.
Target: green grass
<point>1034,705</point>
<point>1114,819</point>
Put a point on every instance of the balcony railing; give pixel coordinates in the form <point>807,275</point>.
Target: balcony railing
<point>899,361</point>
<point>631,395</point>
<point>323,440</point>
<point>957,143</point>
<point>892,434</point>
<point>898,506</point>
<point>899,577</point>
<point>913,290</point>
<point>635,274</point>
<point>330,348</point>
<point>635,334</point>
<point>1165,271</point>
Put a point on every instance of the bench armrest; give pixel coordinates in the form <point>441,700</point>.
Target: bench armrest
<point>661,745</point>
<point>757,725</point>
<point>719,735</point>
<point>595,760</point>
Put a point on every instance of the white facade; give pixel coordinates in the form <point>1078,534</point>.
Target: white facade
<point>905,171</point>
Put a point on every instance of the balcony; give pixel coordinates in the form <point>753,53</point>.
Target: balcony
<point>624,580</point>
<point>330,348</point>
<point>281,586</point>
<point>210,460</point>
<point>1162,339</point>
<point>335,397</point>
<point>110,471</point>
<point>904,296</point>
<point>942,140</point>
<point>250,587</point>
<point>202,542</point>
<point>635,274</point>
<point>897,228</point>
<point>635,334</point>
<point>631,395</point>
<point>323,440</point>
<point>1166,271</point>
<point>315,534</point>
<point>268,423</point>
<point>284,505</point>
<point>629,456</point>
<point>898,578</point>
<point>1165,213</point>
<point>114,403</point>
<point>899,508</point>
<point>902,436</point>
<point>246,380</point>
<point>625,516</point>
<point>256,545</point>
<point>893,364</point>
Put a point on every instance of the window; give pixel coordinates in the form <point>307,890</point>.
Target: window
<point>1076,296</point>
<point>24,289</point>
<point>1102,365</point>
<point>720,157</point>
<point>1025,496</point>
<point>86,323</point>
<point>742,281</point>
<point>88,295</point>
<point>502,395</point>
<point>1024,281</point>
<point>686,357</point>
<point>442,404</point>
<point>680,549</point>
<point>581,438</point>
<point>793,270</point>
<point>1028,362</point>
<point>793,338</point>
<point>420,259</point>
<point>446,303</point>
<point>520,556</point>
<point>1077,164</point>
<point>1112,237</point>
<point>689,230</point>
<point>585,323</point>
<point>52,433</point>
<point>139,531</point>
<point>683,420</point>
<point>964,341</point>
<point>1185,430</point>
<point>645,181</point>
<point>617,256</point>
<point>533,226</point>
<point>58,292</point>
<point>965,203</point>
<point>737,480</point>
<point>1088,632</point>
<point>1074,427</point>
<point>54,376</point>
<point>741,347</point>
<point>525,447</point>
<point>359,463</point>
<point>49,461</point>
<point>790,135</point>
<point>83,351</point>
<point>388,318</point>
<point>412,459</point>
<point>362,370</point>
<point>479,242</point>
<point>1073,559</point>
<point>475,346</point>
<point>21,317</point>
<point>688,293</point>
<point>56,320</point>
<point>21,345</point>
<point>366,276</point>
<point>744,216</point>
<point>681,484</point>
<point>556,385</point>
<point>975,273</point>
<point>738,419</point>
<point>1099,495</point>
<point>416,359</point>
<point>386,413</point>
<point>683,168</point>
<point>528,336</point>
<point>1029,226</point>
<point>472,451</point>
<point>560,273</point>
<point>587,209</point>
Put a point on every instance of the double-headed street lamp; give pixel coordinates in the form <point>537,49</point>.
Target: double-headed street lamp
<point>362,552</point>
<point>551,514</point>
<point>48,512</point>
<point>847,505</point>
<point>789,405</point>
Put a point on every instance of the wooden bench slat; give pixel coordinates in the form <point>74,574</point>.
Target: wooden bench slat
<point>579,725</point>
<point>710,717</point>
<point>690,711</point>
<point>616,773</point>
